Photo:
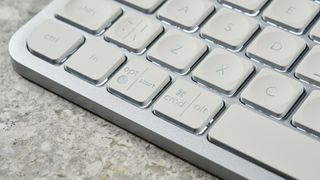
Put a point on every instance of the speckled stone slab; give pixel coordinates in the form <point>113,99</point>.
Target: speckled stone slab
<point>43,136</point>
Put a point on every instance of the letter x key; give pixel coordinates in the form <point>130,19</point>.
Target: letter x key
<point>222,69</point>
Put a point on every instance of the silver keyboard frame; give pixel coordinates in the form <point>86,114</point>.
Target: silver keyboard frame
<point>194,148</point>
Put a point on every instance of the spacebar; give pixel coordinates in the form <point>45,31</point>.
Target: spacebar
<point>280,148</point>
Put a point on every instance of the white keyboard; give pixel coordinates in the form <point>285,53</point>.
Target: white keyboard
<point>231,86</point>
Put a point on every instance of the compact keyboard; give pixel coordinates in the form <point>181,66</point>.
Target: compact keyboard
<point>231,86</point>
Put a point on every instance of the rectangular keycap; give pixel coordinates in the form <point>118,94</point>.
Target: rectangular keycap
<point>268,142</point>
<point>248,6</point>
<point>53,41</point>
<point>188,105</point>
<point>147,6</point>
<point>307,117</point>
<point>277,48</point>
<point>138,81</point>
<point>90,15</point>
<point>177,50</point>
<point>315,32</point>
<point>272,92</point>
<point>309,68</point>
<point>134,31</point>
<point>229,29</point>
<point>223,70</point>
<point>186,14</point>
<point>95,61</point>
<point>294,15</point>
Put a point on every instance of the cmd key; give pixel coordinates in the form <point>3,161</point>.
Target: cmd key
<point>188,105</point>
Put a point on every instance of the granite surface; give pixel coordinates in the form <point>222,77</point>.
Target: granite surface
<point>43,136</point>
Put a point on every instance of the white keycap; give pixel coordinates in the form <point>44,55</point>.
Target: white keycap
<point>188,105</point>
<point>229,29</point>
<point>223,70</point>
<point>268,142</point>
<point>134,31</point>
<point>293,15</point>
<point>146,6</point>
<point>309,68</point>
<point>277,48</point>
<point>53,41</point>
<point>138,81</point>
<point>248,6</point>
<point>272,92</point>
<point>95,61</point>
<point>187,14</point>
<point>177,50</point>
<point>91,15</point>
<point>307,117</point>
<point>315,32</point>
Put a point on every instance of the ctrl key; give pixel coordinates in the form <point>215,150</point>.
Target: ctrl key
<point>53,42</point>
<point>188,105</point>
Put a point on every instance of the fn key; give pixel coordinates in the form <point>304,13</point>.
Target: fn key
<point>95,61</point>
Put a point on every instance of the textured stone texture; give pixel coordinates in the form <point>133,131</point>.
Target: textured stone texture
<point>43,136</point>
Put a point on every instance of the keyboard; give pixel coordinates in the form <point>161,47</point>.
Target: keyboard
<point>231,86</point>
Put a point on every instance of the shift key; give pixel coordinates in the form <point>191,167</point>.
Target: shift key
<point>188,105</point>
